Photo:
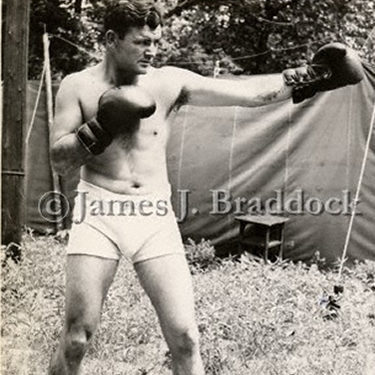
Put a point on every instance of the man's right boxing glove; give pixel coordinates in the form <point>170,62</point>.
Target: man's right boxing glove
<point>119,111</point>
<point>333,66</point>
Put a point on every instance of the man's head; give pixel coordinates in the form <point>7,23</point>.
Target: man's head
<point>133,30</point>
<point>121,15</point>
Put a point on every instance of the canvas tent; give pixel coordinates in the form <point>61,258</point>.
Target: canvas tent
<point>307,155</point>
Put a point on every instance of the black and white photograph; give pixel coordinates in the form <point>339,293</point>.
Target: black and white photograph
<point>188,187</point>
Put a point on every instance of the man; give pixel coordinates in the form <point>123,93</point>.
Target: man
<point>112,122</point>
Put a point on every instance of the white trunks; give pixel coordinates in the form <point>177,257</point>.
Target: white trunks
<point>110,225</point>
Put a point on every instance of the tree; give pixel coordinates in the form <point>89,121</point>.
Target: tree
<point>243,36</point>
<point>64,22</point>
<point>265,36</point>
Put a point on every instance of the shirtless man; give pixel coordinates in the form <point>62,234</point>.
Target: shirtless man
<point>118,140</point>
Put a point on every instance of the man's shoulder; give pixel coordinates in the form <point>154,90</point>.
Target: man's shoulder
<point>171,71</point>
<point>74,85</point>
<point>171,85</point>
<point>70,83</point>
<point>80,77</point>
<point>172,76</point>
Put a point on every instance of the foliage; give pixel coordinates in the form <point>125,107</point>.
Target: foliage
<point>63,22</point>
<point>200,256</point>
<point>253,318</point>
<point>51,17</point>
<point>265,36</point>
<point>247,36</point>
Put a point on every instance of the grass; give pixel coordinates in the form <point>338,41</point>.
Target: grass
<point>254,318</point>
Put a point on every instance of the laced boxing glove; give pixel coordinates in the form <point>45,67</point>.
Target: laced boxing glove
<point>119,111</point>
<point>333,66</point>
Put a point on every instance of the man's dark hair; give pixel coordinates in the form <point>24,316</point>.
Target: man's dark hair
<point>124,14</point>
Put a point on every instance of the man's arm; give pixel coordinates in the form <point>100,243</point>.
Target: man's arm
<point>67,153</point>
<point>251,92</point>
<point>333,66</point>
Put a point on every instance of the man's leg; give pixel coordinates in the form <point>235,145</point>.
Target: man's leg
<point>167,281</point>
<point>87,282</point>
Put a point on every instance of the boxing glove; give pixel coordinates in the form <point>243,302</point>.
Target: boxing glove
<point>120,110</point>
<point>333,66</point>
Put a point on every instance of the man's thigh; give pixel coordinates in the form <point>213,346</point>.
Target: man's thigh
<point>168,283</point>
<point>88,279</point>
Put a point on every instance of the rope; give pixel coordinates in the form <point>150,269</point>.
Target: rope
<point>368,38</point>
<point>277,23</point>
<point>356,199</point>
<point>32,121</point>
<point>359,185</point>
<point>281,50</point>
<point>94,55</point>
<point>246,57</point>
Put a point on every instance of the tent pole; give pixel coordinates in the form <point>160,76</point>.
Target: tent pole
<point>55,176</point>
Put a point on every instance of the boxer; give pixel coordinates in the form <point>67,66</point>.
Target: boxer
<point>112,124</point>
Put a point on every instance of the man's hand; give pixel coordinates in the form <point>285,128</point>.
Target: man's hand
<point>120,111</point>
<point>333,66</point>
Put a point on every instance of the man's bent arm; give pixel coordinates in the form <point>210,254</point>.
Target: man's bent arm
<point>254,91</point>
<point>67,153</point>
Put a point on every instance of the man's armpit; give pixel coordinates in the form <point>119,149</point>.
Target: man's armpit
<point>183,99</point>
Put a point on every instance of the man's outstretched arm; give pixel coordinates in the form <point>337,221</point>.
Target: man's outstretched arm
<point>333,66</point>
<point>254,91</point>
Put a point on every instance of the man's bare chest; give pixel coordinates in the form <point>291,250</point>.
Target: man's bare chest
<point>150,132</point>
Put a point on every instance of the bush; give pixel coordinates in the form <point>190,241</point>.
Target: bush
<point>200,256</point>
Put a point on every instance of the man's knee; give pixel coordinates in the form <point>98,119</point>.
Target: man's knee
<point>186,341</point>
<point>78,336</point>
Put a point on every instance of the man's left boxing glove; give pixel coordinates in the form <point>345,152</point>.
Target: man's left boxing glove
<point>333,66</point>
<point>120,110</point>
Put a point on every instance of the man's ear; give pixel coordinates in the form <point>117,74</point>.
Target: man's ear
<point>111,38</point>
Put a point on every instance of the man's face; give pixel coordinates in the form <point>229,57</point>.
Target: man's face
<point>136,51</point>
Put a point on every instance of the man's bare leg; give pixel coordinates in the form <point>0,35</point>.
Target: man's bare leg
<point>167,281</point>
<point>88,280</point>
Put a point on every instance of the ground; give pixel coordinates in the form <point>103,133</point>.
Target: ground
<point>254,318</point>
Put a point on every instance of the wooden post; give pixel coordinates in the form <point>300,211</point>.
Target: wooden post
<point>15,56</point>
